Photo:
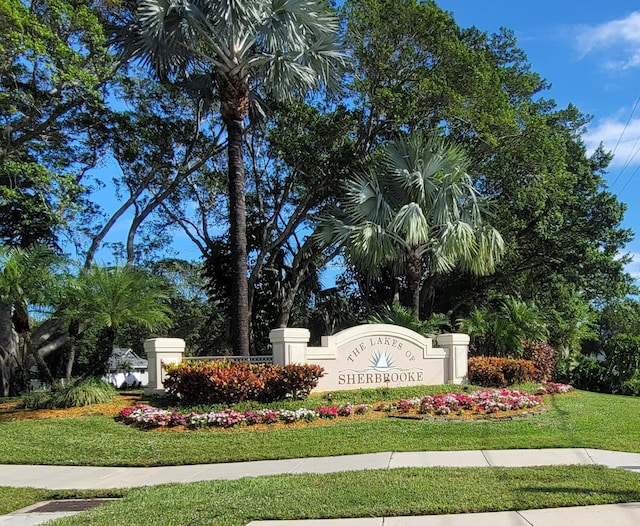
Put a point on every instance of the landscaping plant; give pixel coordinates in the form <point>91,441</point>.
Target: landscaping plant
<point>77,393</point>
<point>216,382</point>
<point>499,372</point>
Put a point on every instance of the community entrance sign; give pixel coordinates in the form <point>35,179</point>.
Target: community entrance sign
<point>373,355</point>
<point>376,355</point>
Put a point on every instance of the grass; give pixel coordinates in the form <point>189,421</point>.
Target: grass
<point>582,419</point>
<point>364,494</point>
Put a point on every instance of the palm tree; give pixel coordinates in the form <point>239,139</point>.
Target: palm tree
<point>395,314</point>
<point>110,297</point>
<point>239,50</point>
<point>417,211</point>
<point>501,331</point>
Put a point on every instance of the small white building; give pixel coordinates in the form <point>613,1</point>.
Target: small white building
<point>126,369</point>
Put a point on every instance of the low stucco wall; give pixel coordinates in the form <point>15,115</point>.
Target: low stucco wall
<point>376,355</point>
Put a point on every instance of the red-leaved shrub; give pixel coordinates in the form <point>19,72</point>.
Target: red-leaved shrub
<point>217,382</point>
<point>544,360</point>
<point>498,372</point>
<point>292,380</point>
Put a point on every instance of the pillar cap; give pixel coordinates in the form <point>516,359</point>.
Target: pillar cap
<point>453,339</point>
<point>289,335</point>
<point>164,343</point>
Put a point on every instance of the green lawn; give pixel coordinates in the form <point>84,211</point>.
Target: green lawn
<point>365,494</point>
<point>581,419</point>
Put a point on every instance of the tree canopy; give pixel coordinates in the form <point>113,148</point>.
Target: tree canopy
<point>168,136</point>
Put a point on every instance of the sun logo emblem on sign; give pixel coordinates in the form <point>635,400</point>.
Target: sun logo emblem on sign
<point>381,361</point>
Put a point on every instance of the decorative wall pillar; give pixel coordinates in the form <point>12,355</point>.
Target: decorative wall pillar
<point>457,347</point>
<point>159,351</point>
<point>289,345</point>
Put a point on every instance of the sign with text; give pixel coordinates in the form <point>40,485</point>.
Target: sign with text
<point>378,355</point>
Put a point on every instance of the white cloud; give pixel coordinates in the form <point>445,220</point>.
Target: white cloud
<point>633,267</point>
<point>617,42</point>
<point>611,130</point>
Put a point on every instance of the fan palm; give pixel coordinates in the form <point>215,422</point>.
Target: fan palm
<point>238,50</point>
<point>417,211</point>
<point>395,314</point>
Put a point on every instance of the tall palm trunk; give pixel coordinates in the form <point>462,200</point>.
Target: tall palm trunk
<point>238,241</point>
<point>414,276</point>
<point>234,98</point>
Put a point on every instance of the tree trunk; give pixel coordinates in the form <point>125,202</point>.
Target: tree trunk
<point>71,358</point>
<point>42,365</point>
<point>106,342</point>
<point>23,328</point>
<point>9,364</point>
<point>238,241</point>
<point>234,108</point>
<point>74,330</point>
<point>414,276</point>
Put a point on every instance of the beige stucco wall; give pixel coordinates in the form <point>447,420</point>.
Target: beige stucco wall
<point>376,355</point>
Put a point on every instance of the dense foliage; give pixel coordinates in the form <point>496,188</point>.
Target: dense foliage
<point>68,106</point>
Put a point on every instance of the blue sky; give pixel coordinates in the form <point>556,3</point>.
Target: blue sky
<point>589,51</point>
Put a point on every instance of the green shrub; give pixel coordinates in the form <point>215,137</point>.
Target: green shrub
<point>222,382</point>
<point>630,387</point>
<point>544,360</point>
<point>623,357</point>
<point>83,392</point>
<point>37,400</point>
<point>584,373</point>
<point>77,393</point>
<point>499,372</point>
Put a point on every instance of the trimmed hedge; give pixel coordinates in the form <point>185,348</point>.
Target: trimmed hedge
<point>499,372</point>
<point>223,382</point>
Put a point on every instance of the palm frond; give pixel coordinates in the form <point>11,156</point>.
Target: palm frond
<point>418,199</point>
<point>365,200</point>
<point>411,225</point>
<point>404,317</point>
<point>112,296</point>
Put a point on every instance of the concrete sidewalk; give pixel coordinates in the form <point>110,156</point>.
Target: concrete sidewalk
<point>87,477</point>
<point>607,515</point>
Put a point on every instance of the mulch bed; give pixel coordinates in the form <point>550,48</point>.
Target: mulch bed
<point>11,412</point>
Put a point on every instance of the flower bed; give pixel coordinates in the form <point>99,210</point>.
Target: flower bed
<point>149,417</point>
<point>553,388</point>
<point>474,404</point>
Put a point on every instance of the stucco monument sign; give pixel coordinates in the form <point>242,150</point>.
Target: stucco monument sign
<point>373,355</point>
<point>376,355</point>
